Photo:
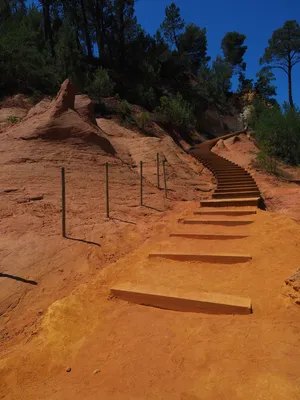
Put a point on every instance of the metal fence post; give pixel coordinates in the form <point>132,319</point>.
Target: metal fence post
<point>157,169</point>
<point>107,190</point>
<point>63,202</point>
<point>141,183</point>
<point>165,178</point>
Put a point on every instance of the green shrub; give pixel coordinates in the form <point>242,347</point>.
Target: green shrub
<point>145,96</point>
<point>278,131</point>
<point>143,120</point>
<point>176,112</point>
<point>124,108</point>
<point>267,162</point>
<point>12,120</point>
<point>102,85</point>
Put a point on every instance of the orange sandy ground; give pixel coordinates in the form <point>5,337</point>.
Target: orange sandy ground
<point>147,353</point>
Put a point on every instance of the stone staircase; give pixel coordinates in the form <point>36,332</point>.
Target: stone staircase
<point>210,239</point>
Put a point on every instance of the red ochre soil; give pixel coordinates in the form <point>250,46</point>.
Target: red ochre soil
<point>117,350</point>
<point>147,353</point>
<point>31,246</point>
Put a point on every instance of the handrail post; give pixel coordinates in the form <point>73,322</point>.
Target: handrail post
<point>63,202</point>
<point>141,183</point>
<point>107,189</point>
<point>157,169</point>
<point>165,178</point>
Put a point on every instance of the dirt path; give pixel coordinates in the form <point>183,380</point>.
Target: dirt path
<point>118,350</point>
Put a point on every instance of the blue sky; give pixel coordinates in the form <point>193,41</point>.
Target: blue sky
<point>257,19</point>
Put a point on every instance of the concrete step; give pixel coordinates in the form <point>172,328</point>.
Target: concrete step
<point>204,257</point>
<point>236,195</point>
<point>226,212</point>
<point>231,202</point>
<point>224,222</point>
<point>208,236</point>
<point>181,300</point>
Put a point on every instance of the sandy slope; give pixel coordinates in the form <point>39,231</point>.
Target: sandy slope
<point>117,350</point>
<point>31,246</point>
<point>147,353</point>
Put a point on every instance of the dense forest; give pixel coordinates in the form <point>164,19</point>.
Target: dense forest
<point>100,45</point>
<point>50,40</point>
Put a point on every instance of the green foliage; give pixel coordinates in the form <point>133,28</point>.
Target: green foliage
<point>283,51</point>
<point>67,53</point>
<point>234,50</point>
<point>245,84</point>
<point>103,48</point>
<point>143,120</point>
<point>267,162</point>
<point>102,85</point>
<point>278,131</point>
<point>284,41</point>
<point>124,108</point>
<point>215,83</point>
<point>258,107</point>
<point>172,25</point>
<point>146,96</point>
<point>176,112</point>
<point>263,86</point>
<point>221,76</point>
<point>24,62</point>
<point>193,47</point>
<point>12,120</point>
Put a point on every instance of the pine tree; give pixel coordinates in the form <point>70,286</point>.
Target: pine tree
<point>172,25</point>
<point>234,50</point>
<point>283,51</point>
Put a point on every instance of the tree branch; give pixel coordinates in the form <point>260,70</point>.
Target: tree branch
<point>279,67</point>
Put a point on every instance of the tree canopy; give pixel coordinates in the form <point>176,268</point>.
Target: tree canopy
<point>283,51</point>
<point>234,49</point>
<point>101,46</point>
<point>172,25</point>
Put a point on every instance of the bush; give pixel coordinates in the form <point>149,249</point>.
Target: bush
<point>12,120</point>
<point>143,120</point>
<point>177,112</point>
<point>278,131</point>
<point>124,108</point>
<point>146,97</point>
<point>267,162</point>
<point>102,85</point>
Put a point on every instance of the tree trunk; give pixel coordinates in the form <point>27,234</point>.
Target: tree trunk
<point>47,26</point>
<point>290,85</point>
<point>99,27</point>
<point>122,35</point>
<point>86,31</point>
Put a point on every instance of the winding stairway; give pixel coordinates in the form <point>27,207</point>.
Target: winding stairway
<point>215,226</point>
<point>235,186</point>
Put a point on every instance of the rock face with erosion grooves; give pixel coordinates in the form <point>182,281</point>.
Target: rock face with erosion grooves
<point>85,107</point>
<point>60,121</point>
